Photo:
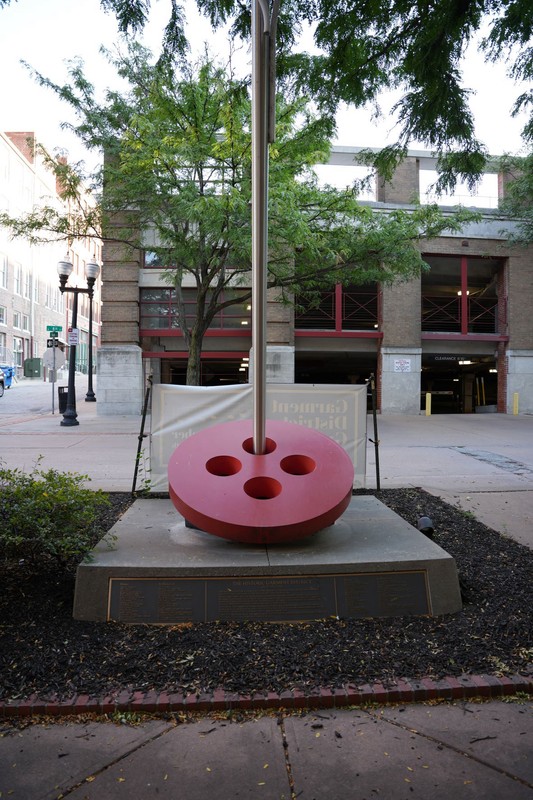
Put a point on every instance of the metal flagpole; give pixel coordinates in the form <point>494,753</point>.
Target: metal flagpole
<point>260,110</point>
<point>323,491</point>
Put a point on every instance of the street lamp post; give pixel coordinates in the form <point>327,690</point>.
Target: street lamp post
<point>64,269</point>
<point>90,397</point>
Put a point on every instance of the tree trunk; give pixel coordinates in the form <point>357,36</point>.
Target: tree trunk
<point>194,359</point>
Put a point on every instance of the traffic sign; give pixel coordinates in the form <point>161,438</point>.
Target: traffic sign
<point>73,336</point>
<point>53,359</point>
<point>52,342</point>
<point>55,328</point>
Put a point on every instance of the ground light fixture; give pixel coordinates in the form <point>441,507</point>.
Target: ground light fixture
<point>64,269</point>
<point>425,526</point>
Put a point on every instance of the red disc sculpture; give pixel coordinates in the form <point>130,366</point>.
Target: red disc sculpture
<point>255,480</point>
<point>301,484</point>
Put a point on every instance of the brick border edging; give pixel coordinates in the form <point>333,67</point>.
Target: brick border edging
<point>401,691</point>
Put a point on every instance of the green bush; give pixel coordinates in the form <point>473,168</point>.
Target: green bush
<point>48,513</point>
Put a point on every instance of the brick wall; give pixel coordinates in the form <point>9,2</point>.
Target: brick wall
<point>280,320</point>
<point>403,186</point>
<point>120,292</point>
<point>520,299</point>
<point>25,142</point>
<point>401,304</point>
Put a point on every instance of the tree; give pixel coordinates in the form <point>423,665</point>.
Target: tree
<point>367,47</point>
<point>178,165</point>
<point>518,200</point>
<point>415,46</point>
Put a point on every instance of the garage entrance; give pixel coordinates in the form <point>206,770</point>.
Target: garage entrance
<point>334,367</point>
<point>459,384</point>
<point>214,371</point>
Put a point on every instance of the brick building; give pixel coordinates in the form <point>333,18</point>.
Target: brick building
<point>30,299</point>
<point>461,332</point>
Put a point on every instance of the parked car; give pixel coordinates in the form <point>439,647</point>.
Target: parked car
<point>2,382</point>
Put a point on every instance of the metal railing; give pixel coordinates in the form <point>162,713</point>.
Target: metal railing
<point>344,310</point>
<point>444,314</point>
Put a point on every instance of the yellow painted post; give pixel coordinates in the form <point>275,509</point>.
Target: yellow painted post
<point>428,404</point>
<point>515,403</point>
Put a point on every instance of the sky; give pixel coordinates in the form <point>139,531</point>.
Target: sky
<point>47,33</point>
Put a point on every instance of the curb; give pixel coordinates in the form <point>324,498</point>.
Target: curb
<point>400,691</point>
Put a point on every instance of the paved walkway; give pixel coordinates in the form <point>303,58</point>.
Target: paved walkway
<point>482,463</point>
<point>104,448</point>
<point>460,749</point>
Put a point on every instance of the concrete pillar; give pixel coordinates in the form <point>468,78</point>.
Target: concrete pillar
<point>280,340</point>
<point>279,364</point>
<point>120,387</point>
<point>153,366</point>
<point>400,380</point>
<point>401,350</point>
<point>120,382</point>
<point>520,380</point>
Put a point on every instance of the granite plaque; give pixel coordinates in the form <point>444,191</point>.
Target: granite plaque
<point>268,598</point>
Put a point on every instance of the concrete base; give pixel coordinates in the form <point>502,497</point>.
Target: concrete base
<point>400,380</point>
<point>520,382</point>
<point>279,365</point>
<point>120,382</point>
<point>370,563</point>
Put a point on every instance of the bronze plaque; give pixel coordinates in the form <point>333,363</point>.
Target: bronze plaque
<point>271,599</point>
<point>383,594</point>
<point>156,600</point>
<point>262,598</point>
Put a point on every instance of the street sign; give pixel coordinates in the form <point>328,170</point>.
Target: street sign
<point>52,342</point>
<point>73,336</point>
<point>55,328</point>
<point>53,359</point>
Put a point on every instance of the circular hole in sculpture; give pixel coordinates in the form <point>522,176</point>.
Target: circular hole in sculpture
<point>223,465</point>
<point>262,488</point>
<point>248,445</point>
<point>297,465</point>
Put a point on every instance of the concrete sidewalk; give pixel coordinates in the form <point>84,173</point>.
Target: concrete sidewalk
<point>460,750</point>
<point>104,448</point>
<point>481,463</point>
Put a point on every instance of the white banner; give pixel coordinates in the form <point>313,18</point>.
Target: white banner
<point>339,411</point>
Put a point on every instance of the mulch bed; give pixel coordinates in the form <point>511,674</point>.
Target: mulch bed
<point>44,651</point>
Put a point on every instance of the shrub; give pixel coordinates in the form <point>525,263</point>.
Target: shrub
<point>48,513</point>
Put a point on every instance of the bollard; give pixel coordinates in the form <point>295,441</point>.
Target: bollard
<point>428,404</point>
<point>515,404</point>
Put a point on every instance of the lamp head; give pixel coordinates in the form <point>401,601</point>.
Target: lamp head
<point>92,270</point>
<point>64,269</point>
